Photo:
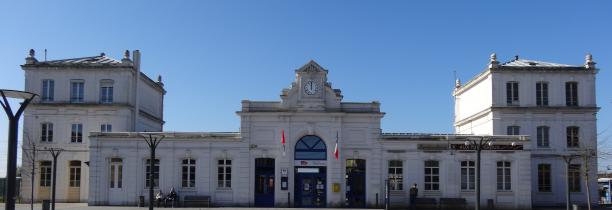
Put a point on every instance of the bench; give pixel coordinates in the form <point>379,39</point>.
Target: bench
<point>426,203</point>
<point>453,203</point>
<point>196,201</point>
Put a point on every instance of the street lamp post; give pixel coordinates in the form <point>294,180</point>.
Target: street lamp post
<point>11,166</point>
<point>55,152</point>
<point>478,146</point>
<point>152,139</point>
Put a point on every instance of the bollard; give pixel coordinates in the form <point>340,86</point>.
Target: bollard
<point>141,201</point>
<point>288,199</point>
<point>574,207</point>
<point>46,204</point>
<point>490,204</point>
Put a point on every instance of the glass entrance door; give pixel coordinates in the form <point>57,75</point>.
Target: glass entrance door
<point>310,189</point>
<point>355,183</point>
<point>264,182</point>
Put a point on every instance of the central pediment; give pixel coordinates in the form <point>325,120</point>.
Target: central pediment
<point>310,90</point>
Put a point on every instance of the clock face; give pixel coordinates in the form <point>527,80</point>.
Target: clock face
<point>311,87</point>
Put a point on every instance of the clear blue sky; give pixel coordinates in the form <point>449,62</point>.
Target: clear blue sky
<point>213,54</point>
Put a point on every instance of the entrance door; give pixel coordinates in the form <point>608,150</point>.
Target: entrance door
<point>264,182</point>
<point>74,185</point>
<point>116,193</point>
<point>355,183</point>
<point>310,187</point>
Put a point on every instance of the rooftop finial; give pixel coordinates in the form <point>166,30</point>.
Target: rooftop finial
<point>159,80</point>
<point>516,57</point>
<point>31,59</point>
<point>457,83</point>
<point>493,63</point>
<point>588,61</point>
<point>126,58</point>
<point>102,54</point>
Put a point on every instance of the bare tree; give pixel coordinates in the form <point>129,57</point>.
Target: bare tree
<point>28,157</point>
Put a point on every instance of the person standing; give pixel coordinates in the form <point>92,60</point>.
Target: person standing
<point>414,191</point>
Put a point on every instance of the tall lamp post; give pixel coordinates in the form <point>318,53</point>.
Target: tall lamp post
<point>152,139</point>
<point>478,145</point>
<point>11,166</point>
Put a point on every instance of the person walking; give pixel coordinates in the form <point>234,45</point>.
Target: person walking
<point>414,191</point>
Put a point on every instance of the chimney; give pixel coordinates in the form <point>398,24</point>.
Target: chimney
<point>126,58</point>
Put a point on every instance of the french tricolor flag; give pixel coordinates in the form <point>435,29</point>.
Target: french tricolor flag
<point>283,140</point>
<point>336,150</point>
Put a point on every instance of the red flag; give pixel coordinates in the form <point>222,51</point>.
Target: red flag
<point>283,140</point>
<point>283,137</point>
<point>336,152</point>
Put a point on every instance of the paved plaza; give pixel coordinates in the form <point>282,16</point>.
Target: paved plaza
<point>83,206</point>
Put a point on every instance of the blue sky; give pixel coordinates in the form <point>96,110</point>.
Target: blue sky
<point>213,54</point>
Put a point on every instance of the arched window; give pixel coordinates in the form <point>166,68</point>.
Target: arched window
<point>310,148</point>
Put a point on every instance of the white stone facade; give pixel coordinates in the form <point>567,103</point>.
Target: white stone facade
<point>482,107</point>
<point>310,108</point>
<point>63,107</point>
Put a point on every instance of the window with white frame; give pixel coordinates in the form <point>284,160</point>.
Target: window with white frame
<point>512,93</point>
<point>224,173</point>
<point>571,93</point>
<point>189,172</point>
<point>48,89</point>
<point>544,178</point>
<point>45,173</point>
<point>513,130</point>
<point>75,173</point>
<point>106,91</point>
<point>543,136</point>
<point>116,173</point>
<point>542,94</point>
<point>46,132</point>
<point>155,173</point>
<point>504,178</point>
<point>572,133</point>
<point>468,174</point>
<point>76,133</point>
<point>106,128</point>
<point>396,177</point>
<point>573,178</point>
<point>432,175</point>
<point>77,91</point>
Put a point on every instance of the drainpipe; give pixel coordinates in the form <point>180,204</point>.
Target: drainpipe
<point>136,54</point>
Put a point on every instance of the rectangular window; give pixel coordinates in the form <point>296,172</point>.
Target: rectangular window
<point>189,170</point>
<point>224,174</point>
<point>45,173</point>
<point>76,134</point>
<point>116,172</point>
<point>75,173</point>
<point>155,173</point>
<point>513,130</point>
<point>544,178</point>
<point>48,87</point>
<point>572,137</point>
<point>106,128</point>
<point>542,94</point>
<point>106,91</point>
<point>512,93</point>
<point>571,93</point>
<point>573,178</point>
<point>396,175</point>
<point>432,175</point>
<point>468,175</point>
<point>76,91</point>
<point>46,132</point>
<point>543,136</point>
<point>504,181</point>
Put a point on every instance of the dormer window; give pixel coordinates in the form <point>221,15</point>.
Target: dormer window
<point>512,94</point>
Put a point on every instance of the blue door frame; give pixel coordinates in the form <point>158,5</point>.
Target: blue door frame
<point>264,182</point>
<point>310,188</point>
